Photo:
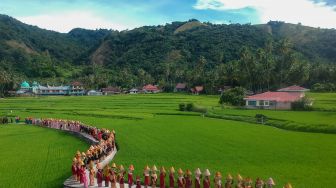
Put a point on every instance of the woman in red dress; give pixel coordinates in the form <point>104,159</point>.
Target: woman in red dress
<point>154,176</point>
<point>198,176</point>
<point>206,180</point>
<point>121,176</point>
<point>130,175</point>
<point>188,180</point>
<point>146,174</point>
<point>180,180</point>
<point>171,177</point>
<point>74,168</point>
<point>162,177</point>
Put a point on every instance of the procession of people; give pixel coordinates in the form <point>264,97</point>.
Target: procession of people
<point>87,166</point>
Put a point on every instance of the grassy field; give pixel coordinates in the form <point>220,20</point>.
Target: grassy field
<point>35,157</point>
<point>151,130</point>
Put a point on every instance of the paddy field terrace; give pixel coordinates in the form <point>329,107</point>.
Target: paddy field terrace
<point>294,146</point>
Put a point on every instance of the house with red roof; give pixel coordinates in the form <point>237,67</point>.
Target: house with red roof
<point>293,88</point>
<point>180,87</point>
<point>273,100</point>
<point>197,90</point>
<point>150,89</point>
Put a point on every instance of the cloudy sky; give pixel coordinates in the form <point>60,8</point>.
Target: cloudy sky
<point>63,15</point>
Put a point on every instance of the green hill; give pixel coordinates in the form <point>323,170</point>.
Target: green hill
<point>258,57</point>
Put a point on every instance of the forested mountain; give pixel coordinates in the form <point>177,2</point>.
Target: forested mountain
<point>258,57</point>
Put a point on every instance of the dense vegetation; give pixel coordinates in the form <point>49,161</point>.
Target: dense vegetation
<point>257,57</point>
<point>151,130</point>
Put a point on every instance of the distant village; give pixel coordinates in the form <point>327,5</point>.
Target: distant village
<point>77,89</point>
<point>280,99</point>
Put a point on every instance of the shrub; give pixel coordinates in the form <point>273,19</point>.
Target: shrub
<point>324,87</point>
<point>182,107</point>
<point>261,118</point>
<point>189,107</point>
<point>234,96</point>
<point>303,104</point>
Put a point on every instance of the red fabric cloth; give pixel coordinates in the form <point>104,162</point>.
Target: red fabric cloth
<point>188,182</point>
<point>146,183</point>
<point>162,180</point>
<point>197,183</point>
<point>122,180</point>
<point>171,180</point>
<point>138,184</point>
<point>181,183</point>
<point>130,179</point>
<point>74,170</point>
<point>206,183</point>
<point>99,176</point>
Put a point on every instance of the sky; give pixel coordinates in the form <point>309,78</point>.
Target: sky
<point>64,15</point>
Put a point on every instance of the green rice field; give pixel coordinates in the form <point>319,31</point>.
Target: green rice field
<point>151,130</point>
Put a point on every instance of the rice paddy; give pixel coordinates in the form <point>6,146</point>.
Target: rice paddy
<point>151,130</point>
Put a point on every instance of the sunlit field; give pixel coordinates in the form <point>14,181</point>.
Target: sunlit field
<point>151,130</point>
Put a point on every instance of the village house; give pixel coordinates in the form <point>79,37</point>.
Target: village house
<point>133,91</point>
<point>36,89</point>
<point>180,87</point>
<point>150,89</point>
<point>94,93</point>
<point>76,88</point>
<point>293,88</point>
<point>281,99</point>
<point>110,90</point>
<point>197,90</point>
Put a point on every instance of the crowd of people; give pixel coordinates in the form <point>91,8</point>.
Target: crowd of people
<point>110,175</point>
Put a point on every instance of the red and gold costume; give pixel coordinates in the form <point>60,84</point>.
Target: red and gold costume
<point>99,175</point>
<point>154,177</point>
<point>130,176</point>
<point>188,181</point>
<point>240,182</point>
<point>162,177</point>
<point>198,176</point>
<point>91,174</point>
<point>206,181</point>
<point>138,183</point>
<point>229,181</point>
<point>113,177</point>
<point>171,177</point>
<point>218,180</point>
<point>121,176</point>
<point>181,180</point>
<point>146,175</point>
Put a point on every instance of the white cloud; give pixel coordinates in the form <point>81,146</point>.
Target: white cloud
<point>64,22</point>
<point>293,11</point>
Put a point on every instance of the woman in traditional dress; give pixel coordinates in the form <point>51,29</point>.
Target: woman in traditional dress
<point>91,174</point>
<point>146,175</point>
<point>181,180</point>
<point>154,176</point>
<point>240,181</point>
<point>229,181</point>
<point>206,180</point>
<point>248,183</point>
<point>121,176</point>
<point>270,183</point>
<point>99,175</point>
<point>130,176</point>
<point>113,177</point>
<point>259,183</point>
<point>218,180</point>
<point>288,185</point>
<point>198,176</point>
<point>74,168</point>
<point>162,177</point>
<point>138,182</point>
<point>187,178</point>
<point>171,177</point>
